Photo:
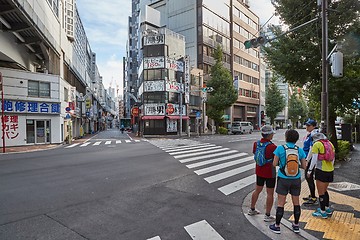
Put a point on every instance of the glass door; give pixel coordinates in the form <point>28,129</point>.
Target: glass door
<point>30,131</point>
<point>40,132</point>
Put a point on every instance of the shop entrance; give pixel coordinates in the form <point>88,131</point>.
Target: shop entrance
<point>38,131</point>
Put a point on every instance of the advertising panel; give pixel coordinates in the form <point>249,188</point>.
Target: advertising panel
<point>154,62</point>
<point>154,86</point>
<point>175,65</point>
<point>154,109</point>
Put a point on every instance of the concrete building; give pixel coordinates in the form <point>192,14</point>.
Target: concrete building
<point>206,24</point>
<point>51,84</point>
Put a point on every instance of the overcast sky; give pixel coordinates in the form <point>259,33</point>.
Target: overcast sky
<point>106,24</point>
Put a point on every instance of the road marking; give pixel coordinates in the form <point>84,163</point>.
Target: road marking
<point>97,143</point>
<point>168,148</point>
<point>127,141</point>
<point>137,140</point>
<point>238,185</point>
<point>207,156</point>
<point>107,142</point>
<point>229,173</point>
<point>199,164</point>
<point>85,144</point>
<point>73,145</point>
<point>194,150</point>
<point>243,139</point>
<point>223,165</point>
<point>200,153</point>
<point>202,231</point>
<point>154,238</point>
<point>118,141</point>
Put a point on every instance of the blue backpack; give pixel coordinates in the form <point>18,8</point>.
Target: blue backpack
<point>259,155</point>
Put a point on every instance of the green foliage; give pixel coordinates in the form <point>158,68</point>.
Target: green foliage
<point>297,109</point>
<point>223,130</point>
<point>274,101</point>
<point>224,93</point>
<point>297,55</point>
<point>343,150</point>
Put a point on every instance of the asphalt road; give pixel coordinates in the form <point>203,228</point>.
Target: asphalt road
<point>114,187</point>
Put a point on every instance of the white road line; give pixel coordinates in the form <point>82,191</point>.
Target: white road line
<point>107,142</point>
<point>199,164</point>
<point>118,141</point>
<point>238,185</point>
<point>195,150</point>
<point>201,153</point>
<point>168,147</point>
<point>206,156</point>
<point>97,143</point>
<point>223,165</point>
<point>85,144</point>
<point>127,141</point>
<point>154,238</point>
<point>188,148</point>
<point>244,139</point>
<point>202,231</point>
<point>72,145</point>
<point>229,173</point>
<point>137,140</point>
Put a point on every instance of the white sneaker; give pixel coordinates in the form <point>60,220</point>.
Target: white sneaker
<point>253,212</point>
<point>269,218</point>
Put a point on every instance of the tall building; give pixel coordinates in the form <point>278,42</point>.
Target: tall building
<point>205,24</point>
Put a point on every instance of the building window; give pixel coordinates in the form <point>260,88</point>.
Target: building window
<point>66,95</point>
<point>38,89</point>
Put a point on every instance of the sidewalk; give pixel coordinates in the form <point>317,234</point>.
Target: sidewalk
<point>344,200</point>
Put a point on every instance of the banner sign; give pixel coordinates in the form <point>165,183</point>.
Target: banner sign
<point>173,87</point>
<point>154,109</point>
<point>154,40</point>
<point>187,78</point>
<point>175,65</point>
<point>154,62</point>
<point>31,107</point>
<point>154,86</point>
<point>176,110</point>
<point>171,125</point>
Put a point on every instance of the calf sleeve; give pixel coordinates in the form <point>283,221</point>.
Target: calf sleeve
<point>322,202</point>
<point>297,212</point>
<point>327,199</point>
<point>279,214</point>
<point>311,184</point>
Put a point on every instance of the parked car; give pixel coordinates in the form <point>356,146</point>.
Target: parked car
<point>338,132</point>
<point>242,127</point>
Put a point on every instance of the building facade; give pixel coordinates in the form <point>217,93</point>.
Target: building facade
<point>51,83</point>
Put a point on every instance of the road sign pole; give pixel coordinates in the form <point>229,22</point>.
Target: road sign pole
<point>2,112</point>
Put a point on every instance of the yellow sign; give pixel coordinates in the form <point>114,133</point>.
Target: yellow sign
<point>88,103</point>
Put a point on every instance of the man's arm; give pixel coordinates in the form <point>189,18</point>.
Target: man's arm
<point>276,161</point>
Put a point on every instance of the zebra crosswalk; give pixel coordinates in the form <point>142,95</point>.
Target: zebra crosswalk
<point>216,164</point>
<point>201,230</point>
<point>103,142</point>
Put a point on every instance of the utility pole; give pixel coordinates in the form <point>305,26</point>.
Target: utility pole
<point>324,90</point>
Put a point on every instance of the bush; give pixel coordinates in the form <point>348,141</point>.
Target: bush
<point>343,150</point>
<point>223,130</point>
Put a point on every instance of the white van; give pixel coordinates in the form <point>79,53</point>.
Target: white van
<point>242,127</point>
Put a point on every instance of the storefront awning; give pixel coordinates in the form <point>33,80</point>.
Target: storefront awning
<point>152,117</point>
<point>178,117</point>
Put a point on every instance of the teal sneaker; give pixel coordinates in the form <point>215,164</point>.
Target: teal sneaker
<point>318,213</point>
<point>329,211</point>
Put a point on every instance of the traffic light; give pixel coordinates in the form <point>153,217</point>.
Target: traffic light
<point>255,42</point>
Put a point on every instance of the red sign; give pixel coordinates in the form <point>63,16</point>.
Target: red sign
<point>135,111</point>
<point>170,109</point>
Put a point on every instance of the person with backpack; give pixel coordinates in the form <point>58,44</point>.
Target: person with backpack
<point>265,171</point>
<point>308,142</point>
<point>289,158</point>
<point>323,157</point>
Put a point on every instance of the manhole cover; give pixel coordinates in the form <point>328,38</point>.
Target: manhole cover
<point>344,186</point>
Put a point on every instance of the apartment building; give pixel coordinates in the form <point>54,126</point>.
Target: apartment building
<point>206,24</point>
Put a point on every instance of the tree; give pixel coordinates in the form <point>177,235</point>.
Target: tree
<point>297,109</point>
<point>297,55</point>
<point>274,101</point>
<point>224,93</point>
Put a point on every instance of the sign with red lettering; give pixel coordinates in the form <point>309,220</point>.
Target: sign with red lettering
<point>173,86</point>
<point>11,126</point>
<point>154,62</point>
<point>170,108</point>
<point>135,111</point>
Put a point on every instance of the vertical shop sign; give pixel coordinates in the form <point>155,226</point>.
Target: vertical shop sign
<point>11,126</point>
<point>187,78</point>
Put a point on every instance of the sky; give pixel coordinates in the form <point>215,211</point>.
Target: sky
<point>106,23</point>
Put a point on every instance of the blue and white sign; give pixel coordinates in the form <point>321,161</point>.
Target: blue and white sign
<point>16,106</point>
<point>198,114</point>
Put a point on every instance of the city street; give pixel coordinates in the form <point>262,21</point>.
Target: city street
<point>113,186</point>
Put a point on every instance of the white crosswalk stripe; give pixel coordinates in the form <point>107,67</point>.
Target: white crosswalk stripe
<point>218,164</point>
<point>72,145</point>
<point>154,238</point>
<point>127,141</point>
<point>203,231</point>
<point>107,142</point>
<point>85,144</point>
<point>118,141</point>
<point>97,143</point>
